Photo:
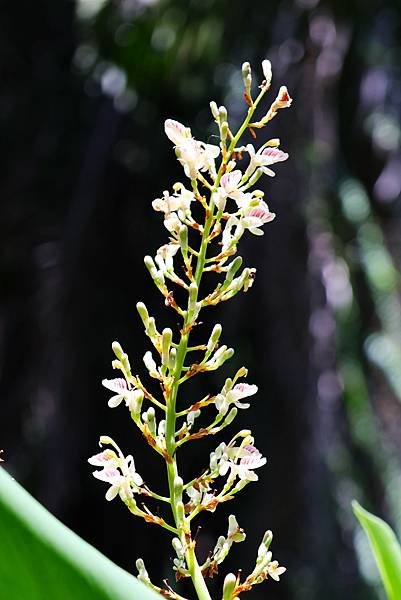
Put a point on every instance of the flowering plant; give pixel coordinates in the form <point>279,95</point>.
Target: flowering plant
<point>230,206</point>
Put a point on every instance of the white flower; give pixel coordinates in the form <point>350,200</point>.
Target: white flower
<point>256,216</point>
<point>193,155</point>
<point>122,392</point>
<point>176,132</point>
<point>230,186</point>
<point>118,471</point>
<point>262,158</point>
<point>123,482</point>
<point>165,254</point>
<point>274,570</point>
<point>179,201</point>
<point>233,396</point>
<point>172,223</point>
<point>107,458</point>
<point>249,459</point>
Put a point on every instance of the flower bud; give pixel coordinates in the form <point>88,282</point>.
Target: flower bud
<point>172,359</point>
<point>150,420</point>
<point>230,582</point>
<point>183,233</point>
<point>150,364</point>
<point>234,530</point>
<point>180,511</point>
<point>222,113</point>
<point>230,417</point>
<point>118,351</point>
<point>151,328</point>
<point>214,337</point>
<point>247,77</point>
<point>176,543</point>
<point>214,110</point>
<point>166,342</point>
<point>267,72</point>
<point>143,313</point>
<point>232,270</point>
<point>193,305</point>
<point>178,486</point>
<point>156,275</point>
<point>142,572</point>
<point>267,538</point>
<point>224,130</point>
<point>125,362</point>
<point>135,402</point>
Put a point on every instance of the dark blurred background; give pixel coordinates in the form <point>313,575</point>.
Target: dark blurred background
<point>85,89</point>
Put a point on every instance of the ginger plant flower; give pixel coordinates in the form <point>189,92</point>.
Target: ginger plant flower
<point>274,570</point>
<point>242,462</point>
<point>256,216</point>
<point>241,390</point>
<point>205,224</point>
<point>119,473</point>
<point>194,156</point>
<point>262,158</point>
<point>122,391</point>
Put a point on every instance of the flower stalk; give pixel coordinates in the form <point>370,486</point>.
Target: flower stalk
<point>230,208</point>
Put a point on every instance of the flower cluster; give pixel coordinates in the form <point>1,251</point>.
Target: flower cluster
<point>220,183</point>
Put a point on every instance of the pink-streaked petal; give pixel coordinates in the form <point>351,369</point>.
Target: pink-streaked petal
<point>252,459</point>
<point>230,181</point>
<point>102,458</point>
<point>176,132</point>
<point>262,213</point>
<point>109,475</point>
<point>118,385</point>
<point>273,155</point>
<point>243,390</point>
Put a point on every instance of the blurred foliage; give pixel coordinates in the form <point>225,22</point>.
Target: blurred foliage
<point>87,87</point>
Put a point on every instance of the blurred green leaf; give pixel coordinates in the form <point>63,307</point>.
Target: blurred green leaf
<point>386,550</point>
<point>41,558</point>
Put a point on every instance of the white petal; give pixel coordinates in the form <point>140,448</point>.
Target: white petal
<point>118,385</point>
<point>230,181</point>
<point>267,70</point>
<point>176,132</point>
<point>115,401</point>
<point>103,458</point>
<point>112,492</point>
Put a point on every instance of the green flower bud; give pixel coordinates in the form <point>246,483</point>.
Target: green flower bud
<point>232,270</point>
<point>118,351</point>
<point>231,416</point>
<point>214,110</point>
<point>183,233</point>
<point>178,486</point>
<point>166,342</point>
<point>222,113</point>
<point>172,359</point>
<point>143,313</point>
<point>230,582</point>
<point>224,130</point>
<point>151,420</point>
<point>214,337</point>
<point>180,511</point>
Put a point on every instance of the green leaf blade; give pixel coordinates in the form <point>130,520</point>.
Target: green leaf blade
<point>41,558</point>
<point>386,549</point>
